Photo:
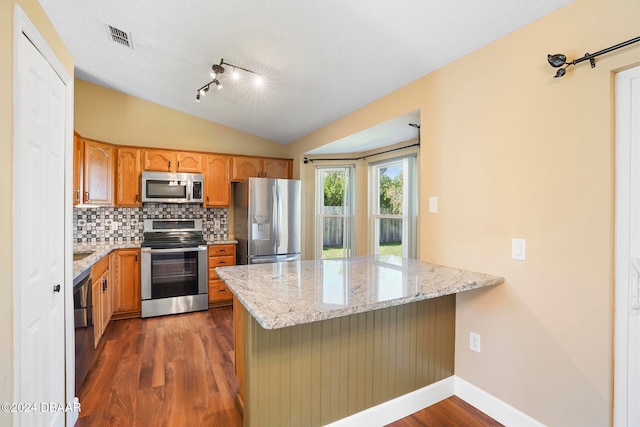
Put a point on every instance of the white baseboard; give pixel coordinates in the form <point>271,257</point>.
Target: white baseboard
<point>400,407</point>
<point>405,405</point>
<point>492,406</point>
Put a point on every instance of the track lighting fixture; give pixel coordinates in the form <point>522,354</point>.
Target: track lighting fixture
<point>217,70</point>
<point>558,60</point>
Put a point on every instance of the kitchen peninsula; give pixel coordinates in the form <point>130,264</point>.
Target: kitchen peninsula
<point>317,341</point>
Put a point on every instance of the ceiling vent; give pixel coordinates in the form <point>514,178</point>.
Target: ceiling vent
<point>121,37</point>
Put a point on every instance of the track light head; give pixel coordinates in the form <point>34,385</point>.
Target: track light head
<point>218,69</point>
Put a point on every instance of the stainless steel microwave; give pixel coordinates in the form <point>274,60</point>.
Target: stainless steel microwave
<point>168,187</point>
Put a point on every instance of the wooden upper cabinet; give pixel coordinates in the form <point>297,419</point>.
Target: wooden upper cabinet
<point>245,167</point>
<point>128,172</point>
<point>217,186</point>
<point>78,156</point>
<point>172,161</point>
<point>189,162</point>
<point>159,160</point>
<point>98,173</point>
<point>277,168</point>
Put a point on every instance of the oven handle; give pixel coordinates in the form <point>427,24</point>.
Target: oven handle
<point>173,250</point>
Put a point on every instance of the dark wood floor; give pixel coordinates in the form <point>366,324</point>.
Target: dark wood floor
<point>178,371</point>
<point>448,413</point>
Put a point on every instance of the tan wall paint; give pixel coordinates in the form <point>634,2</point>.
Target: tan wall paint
<point>40,20</point>
<point>512,152</point>
<point>114,117</point>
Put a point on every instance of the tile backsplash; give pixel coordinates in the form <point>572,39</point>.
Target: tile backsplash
<point>110,224</point>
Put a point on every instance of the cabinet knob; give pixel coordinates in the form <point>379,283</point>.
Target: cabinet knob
<point>222,290</point>
<point>169,167</point>
<point>56,288</point>
<point>86,196</point>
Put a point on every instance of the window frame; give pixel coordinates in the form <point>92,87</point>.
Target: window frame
<point>348,216</point>
<point>409,215</point>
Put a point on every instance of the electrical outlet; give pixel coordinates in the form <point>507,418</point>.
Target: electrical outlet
<point>474,342</point>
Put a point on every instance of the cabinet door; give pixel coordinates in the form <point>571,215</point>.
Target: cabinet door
<point>277,168</point>
<point>217,186</point>
<point>105,301</point>
<point>126,281</point>
<point>189,162</point>
<point>96,293</point>
<point>245,167</point>
<point>159,160</point>
<point>128,170</point>
<point>78,157</point>
<point>98,173</point>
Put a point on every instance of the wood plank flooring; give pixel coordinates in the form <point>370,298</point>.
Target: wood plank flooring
<point>164,371</point>
<point>178,371</point>
<point>448,413</point>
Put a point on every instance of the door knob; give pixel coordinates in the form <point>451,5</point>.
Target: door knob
<point>56,288</point>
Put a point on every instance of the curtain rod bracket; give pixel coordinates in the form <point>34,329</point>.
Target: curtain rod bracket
<point>558,60</point>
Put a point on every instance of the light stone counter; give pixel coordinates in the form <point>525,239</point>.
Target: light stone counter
<point>293,293</point>
<point>98,250</point>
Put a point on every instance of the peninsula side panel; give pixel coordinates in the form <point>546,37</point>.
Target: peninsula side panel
<point>316,373</point>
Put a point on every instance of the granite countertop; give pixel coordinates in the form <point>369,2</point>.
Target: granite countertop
<point>82,268</point>
<point>292,293</point>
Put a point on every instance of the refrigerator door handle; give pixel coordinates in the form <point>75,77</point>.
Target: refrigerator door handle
<point>274,220</point>
<point>278,217</point>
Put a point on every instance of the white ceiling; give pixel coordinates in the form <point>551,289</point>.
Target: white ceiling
<point>320,59</point>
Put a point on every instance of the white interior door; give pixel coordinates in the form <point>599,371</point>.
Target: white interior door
<point>627,259</point>
<point>39,239</point>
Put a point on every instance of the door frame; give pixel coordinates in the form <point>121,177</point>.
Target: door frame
<point>623,251</point>
<point>23,25</point>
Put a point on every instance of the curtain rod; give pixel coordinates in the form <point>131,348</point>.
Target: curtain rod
<point>308,160</point>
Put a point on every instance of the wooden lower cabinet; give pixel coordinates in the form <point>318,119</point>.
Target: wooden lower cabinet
<point>102,297</point>
<point>220,256</point>
<point>125,264</point>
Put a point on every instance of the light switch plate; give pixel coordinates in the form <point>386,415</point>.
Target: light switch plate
<point>519,249</point>
<point>433,204</point>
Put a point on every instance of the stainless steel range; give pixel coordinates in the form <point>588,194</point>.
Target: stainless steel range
<point>174,267</point>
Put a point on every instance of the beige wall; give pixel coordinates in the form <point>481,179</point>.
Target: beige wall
<point>39,19</point>
<point>114,117</point>
<point>512,152</point>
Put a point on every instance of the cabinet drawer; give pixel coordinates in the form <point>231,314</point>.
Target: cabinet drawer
<point>221,261</point>
<point>221,250</point>
<point>218,291</point>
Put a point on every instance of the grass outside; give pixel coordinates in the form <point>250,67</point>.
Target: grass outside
<point>394,248</point>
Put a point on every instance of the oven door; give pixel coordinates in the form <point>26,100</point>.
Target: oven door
<point>177,272</point>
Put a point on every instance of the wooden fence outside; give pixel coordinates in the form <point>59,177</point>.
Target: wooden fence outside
<point>390,229</point>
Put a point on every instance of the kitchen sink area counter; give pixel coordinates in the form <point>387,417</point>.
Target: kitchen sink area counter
<point>86,255</point>
<point>293,293</point>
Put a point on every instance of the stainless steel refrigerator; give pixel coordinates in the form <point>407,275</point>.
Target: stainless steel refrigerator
<point>267,220</point>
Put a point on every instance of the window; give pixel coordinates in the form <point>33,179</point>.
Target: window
<point>393,196</point>
<point>334,207</point>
